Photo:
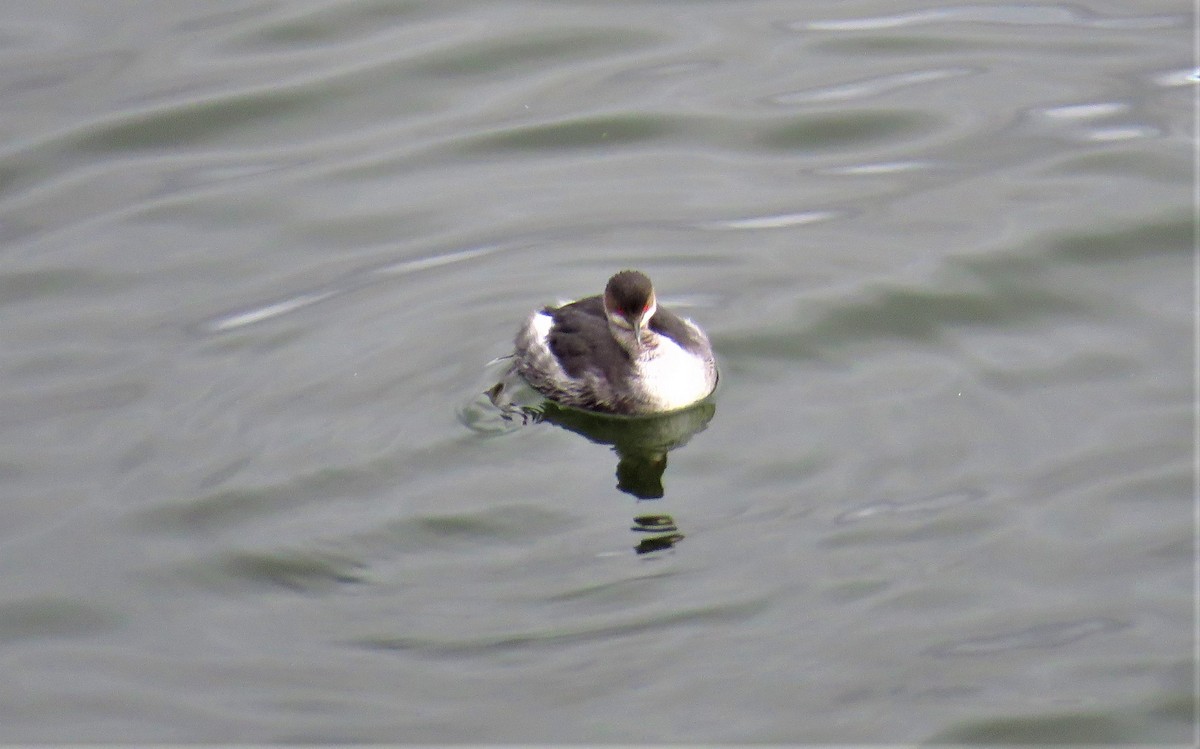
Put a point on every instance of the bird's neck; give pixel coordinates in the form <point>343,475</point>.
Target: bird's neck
<point>624,337</point>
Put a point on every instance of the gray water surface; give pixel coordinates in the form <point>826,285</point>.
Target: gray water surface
<point>256,256</point>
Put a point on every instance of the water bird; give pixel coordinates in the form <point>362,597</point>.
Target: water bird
<point>618,352</point>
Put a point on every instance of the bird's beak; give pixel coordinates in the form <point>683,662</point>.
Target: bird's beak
<point>637,331</point>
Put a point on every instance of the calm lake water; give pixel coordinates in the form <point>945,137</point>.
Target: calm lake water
<point>256,256</point>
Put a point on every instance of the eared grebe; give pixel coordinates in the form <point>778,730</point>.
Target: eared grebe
<point>617,353</point>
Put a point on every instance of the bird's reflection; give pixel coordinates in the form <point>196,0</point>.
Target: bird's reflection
<point>641,445</point>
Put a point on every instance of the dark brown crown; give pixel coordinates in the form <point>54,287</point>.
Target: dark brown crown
<point>628,292</point>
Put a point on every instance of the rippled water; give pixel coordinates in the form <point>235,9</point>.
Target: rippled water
<point>255,256</point>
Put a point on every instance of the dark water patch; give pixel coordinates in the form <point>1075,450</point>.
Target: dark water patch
<point>917,314</point>
<point>215,511</point>
<point>895,45</point>
<point>182,178</point>
<point>1159,484</point>
<point>1064,729</point>
<point>667,70</point>
<point>1168,236</point>
<point>1036,637</point>
<point>300,571</point>
<point>197,122</point>
<point>22,286</point>
<point>505,524</point>
<point>1184,547</point>
<point>475,646</point>
<point>38,618</point>
<point>218,19</point>
<point>1003,289</point>
<point>139,454</point>
<point>1143,471</point>
<point>616,590</point>
<point>844,130</point>
<point>532,53</point>
<point>1180,708</point>
<point>231,508</point>
<point>325,27</point>
<point>17,37</point>
<point>1128,162</point>
<point>579,133</point>
<point>816,132</point>
<point>12,472</point>
<point>62,72</point>
<point>70,401</point>
<point>849,591</point>
<point>923,314</point>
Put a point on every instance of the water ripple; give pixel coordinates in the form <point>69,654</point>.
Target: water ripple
<point>1049,635</point>
<point>924,505</point>
<point>666,70</point>
<point>301,32</point>
<point>1087,111</point>
<point>1008,15</point>
<point>868,87</point>
<point>268,311</point>
<point>23,37</point>
<point>883,167</point>
<point>491,58</point>
<point>845,130</point>
<point>1126,132</point>
<point>580,132</point>
<point>776,221</point>
<point>442,645</point>
<point>301,571</point>
<point>1172,78</point>
<point>242,318</point>
<point>1081,121</point>
<point>998,291</point>
<point>49,405</point>
<point>38,618</point>
<point>1057,729</point>
<point>198,120</point>
<point>510,524</point>
<point>228,509</point>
